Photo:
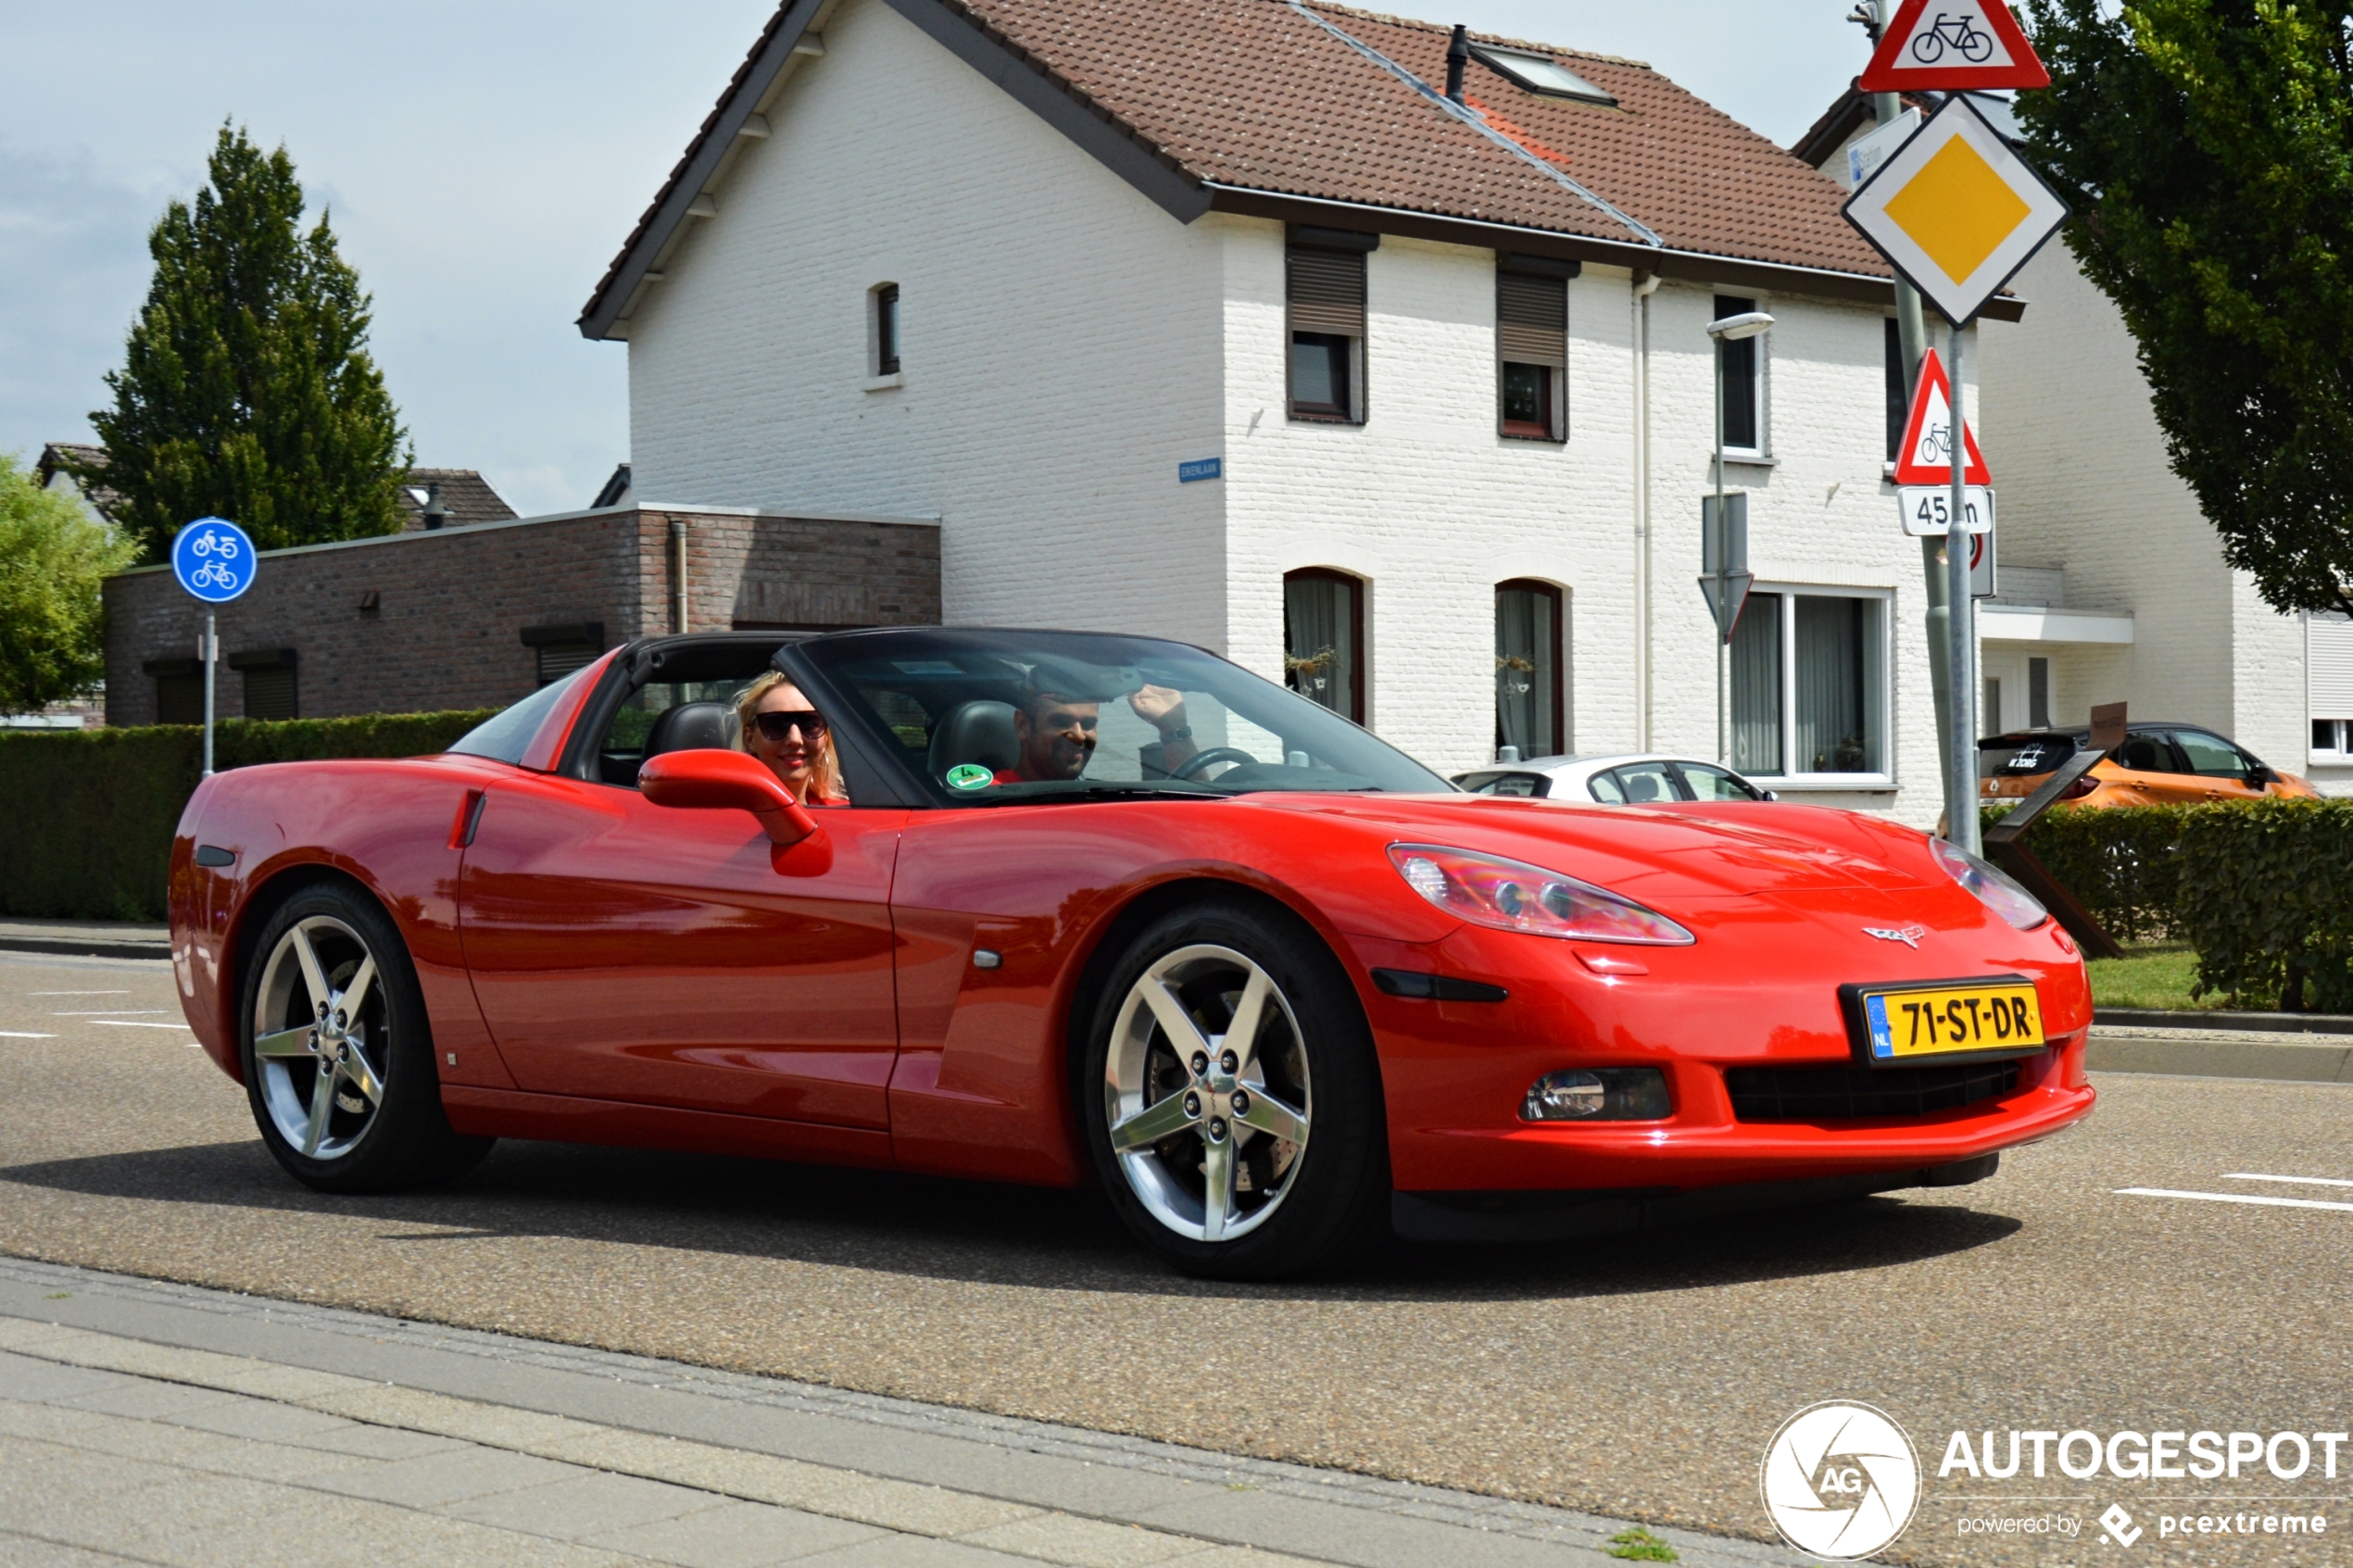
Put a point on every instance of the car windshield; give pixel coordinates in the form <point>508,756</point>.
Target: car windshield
<point>987,717</point>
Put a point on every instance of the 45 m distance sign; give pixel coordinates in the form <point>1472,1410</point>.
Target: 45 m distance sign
<point>1927,510</point>
<point>214,560</point>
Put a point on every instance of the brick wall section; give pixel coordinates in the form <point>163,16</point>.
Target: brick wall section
<point>453,603</point>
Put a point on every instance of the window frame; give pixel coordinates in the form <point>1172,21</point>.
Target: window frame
<point>883,335</point>
<point>1759,382</point>
<point>1882,779</point>
<point>1559,650</point>
<point>1357,247</point>
<point>1553,426</point>
<point>1355,631</point>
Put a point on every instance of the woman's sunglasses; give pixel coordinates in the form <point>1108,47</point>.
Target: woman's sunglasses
<point>778,726</point>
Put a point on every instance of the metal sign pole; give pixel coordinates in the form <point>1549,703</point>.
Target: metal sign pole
<point>211,641</point>
<point>1723,578</point>
<point>1961,760</point>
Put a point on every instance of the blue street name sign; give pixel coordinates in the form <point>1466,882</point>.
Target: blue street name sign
<point>1200,468</point>
<point>213,559</point>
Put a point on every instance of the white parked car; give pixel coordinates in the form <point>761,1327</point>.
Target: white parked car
<point>1620,779</point>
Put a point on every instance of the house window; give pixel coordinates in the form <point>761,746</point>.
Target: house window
<point>561,648</point>
<point>178,690</point>
<point>1809,684</point>
<point>886,329</point>
<point>1742,364</point>
<point>1899,390</point>
<point>1324,272</point>
<point>1531,345</point>
<point>1530,673</point>
<point>1989,717</point>
<point>2038,693</point>
<point>269,681</point>
<point>1324,639</point>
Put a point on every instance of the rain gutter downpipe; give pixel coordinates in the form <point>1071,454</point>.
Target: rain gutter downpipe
<point>1645,285</point>
<point>678,575</point>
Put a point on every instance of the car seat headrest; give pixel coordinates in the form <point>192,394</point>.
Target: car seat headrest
<point>975,731</point>
<point>694,726</point>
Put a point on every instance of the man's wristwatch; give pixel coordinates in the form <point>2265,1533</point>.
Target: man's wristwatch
<point>1183,733</point>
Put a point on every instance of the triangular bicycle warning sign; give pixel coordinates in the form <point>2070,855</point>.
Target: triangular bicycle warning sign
<point>1926,455</point>
<point>1963,45</point>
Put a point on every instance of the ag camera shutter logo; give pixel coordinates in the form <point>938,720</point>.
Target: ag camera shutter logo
<point>1840,1480</point>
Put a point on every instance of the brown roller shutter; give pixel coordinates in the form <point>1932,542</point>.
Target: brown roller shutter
<point>1531,319</point>
<point>1326,291</point>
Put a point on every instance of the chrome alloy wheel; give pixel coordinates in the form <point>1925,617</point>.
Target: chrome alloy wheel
<point>1205,1092</point>
<point>319,1037</point>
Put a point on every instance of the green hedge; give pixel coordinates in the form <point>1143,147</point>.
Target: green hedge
<point>2259,890</point>
<point>93,810</point>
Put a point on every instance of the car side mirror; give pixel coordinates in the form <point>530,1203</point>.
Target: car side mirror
<point>710,779</point>
<point>1770,793</point>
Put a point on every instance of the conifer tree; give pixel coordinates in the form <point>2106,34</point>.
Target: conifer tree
<point>246,390</point>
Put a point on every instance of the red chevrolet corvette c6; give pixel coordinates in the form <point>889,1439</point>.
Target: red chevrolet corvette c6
<point>1056,907</point>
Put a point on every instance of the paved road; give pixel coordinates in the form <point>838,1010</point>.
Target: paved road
<point>1635,1378</point>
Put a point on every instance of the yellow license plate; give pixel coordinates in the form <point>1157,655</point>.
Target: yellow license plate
<point>1902,1022</point>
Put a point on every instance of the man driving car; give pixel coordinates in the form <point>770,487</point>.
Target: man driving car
<point>1055,729</point>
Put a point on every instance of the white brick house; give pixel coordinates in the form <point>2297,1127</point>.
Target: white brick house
<point>1081,224</point>
<point>2113,580</point>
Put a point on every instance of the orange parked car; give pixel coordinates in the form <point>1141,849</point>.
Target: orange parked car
<point>2157,765</point>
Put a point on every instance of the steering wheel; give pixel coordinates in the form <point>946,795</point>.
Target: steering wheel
<point>1200,759</point>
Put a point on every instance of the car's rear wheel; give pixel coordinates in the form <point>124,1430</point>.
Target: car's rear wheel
<point>338,1053</point>
<point>1232,1097</point>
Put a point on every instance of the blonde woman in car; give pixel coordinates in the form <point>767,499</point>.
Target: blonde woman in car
<point>781,729</point>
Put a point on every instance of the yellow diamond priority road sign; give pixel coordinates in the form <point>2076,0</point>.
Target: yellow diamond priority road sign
<point>1957,210</point>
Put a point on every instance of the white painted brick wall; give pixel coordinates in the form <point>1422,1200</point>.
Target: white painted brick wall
<point>1058,342</point>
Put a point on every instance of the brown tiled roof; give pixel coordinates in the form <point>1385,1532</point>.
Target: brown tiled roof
<point>466,497</point>
<point>1266,101</point>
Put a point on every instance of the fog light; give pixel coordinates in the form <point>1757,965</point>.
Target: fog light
<point>1598,1094</point>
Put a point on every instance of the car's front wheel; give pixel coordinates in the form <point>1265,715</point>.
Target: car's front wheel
<point>338,1053</point>
<point>1232,1098</point>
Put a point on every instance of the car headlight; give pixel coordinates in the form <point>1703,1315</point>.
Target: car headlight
<point>1513,896</point>
<point>1995,888</point>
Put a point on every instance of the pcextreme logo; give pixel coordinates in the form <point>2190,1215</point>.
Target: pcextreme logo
<point>1840,1480</point>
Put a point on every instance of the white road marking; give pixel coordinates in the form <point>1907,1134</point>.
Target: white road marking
<point>2301,1181</point>
<point>134,1023</point>
<point>23,1035</point>
<point>107,1012</point>
<point>77,993</point>
<point>2234,1198</point>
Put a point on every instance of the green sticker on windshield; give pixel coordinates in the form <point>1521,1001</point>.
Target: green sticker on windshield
<point>970,775</point>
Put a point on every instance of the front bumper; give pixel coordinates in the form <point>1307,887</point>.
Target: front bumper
<point>1562,1216</point>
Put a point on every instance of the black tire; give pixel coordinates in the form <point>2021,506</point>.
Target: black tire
<point>1328,1208</point>
<point>402,1139</point>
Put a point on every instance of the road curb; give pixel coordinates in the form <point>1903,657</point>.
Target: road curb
<point>2278,1060</point>
<point>86,947</point>
<point>2262,1022</point>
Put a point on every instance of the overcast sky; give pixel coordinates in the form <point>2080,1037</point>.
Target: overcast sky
<point>484,160</point>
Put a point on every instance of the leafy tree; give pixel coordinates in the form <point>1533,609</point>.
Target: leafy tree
<point>246,390</point>
<point>2207,147</point>
<point>53,555</point>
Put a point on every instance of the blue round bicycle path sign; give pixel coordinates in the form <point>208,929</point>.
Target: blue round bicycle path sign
<point>213,559</point>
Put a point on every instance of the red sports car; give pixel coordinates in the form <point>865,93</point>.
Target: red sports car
<point>1058,907</point>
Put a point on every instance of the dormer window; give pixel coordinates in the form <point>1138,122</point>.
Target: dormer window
<point>1540,73</point>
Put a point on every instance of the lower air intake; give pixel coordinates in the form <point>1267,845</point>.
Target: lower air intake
<point>1852,1094</point>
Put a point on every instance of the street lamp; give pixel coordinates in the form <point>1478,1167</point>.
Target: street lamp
<point>1728,329</point>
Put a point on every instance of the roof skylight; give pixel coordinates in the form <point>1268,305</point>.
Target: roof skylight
<point>1540,73</point>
